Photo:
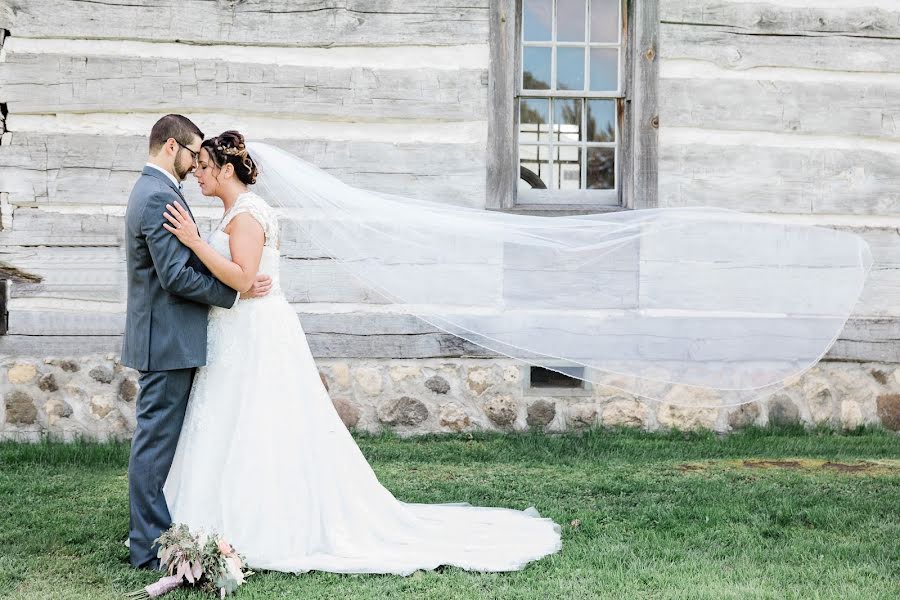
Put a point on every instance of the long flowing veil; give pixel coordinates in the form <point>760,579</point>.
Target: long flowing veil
<point>692,306</point>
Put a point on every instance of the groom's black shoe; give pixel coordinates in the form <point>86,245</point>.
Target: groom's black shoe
<point>152,565</point>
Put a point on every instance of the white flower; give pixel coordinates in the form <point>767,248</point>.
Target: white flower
<point>202,538</point>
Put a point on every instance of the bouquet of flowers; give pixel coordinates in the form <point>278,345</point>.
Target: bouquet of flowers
<point>204,560</point>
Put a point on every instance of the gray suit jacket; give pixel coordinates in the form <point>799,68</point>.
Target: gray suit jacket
<point>169,289</point>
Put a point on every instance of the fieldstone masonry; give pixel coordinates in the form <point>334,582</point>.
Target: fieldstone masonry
<point>94,397</point>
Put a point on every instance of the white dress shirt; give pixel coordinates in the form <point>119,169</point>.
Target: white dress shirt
<point>166,173</point>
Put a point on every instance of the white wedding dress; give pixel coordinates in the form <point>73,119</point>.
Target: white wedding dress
<point>265,460</point>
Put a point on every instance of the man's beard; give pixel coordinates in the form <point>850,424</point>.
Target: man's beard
<point>182,174</point>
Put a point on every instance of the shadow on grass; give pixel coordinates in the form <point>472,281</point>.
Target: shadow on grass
<point>535,446</point>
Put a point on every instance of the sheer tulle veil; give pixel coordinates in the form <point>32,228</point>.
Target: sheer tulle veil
<point>693,306</point>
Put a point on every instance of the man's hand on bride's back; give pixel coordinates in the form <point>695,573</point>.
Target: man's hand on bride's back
<point>260,288</point>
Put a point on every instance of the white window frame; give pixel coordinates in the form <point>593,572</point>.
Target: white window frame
<point>637,121</point>
<point>603,198</point>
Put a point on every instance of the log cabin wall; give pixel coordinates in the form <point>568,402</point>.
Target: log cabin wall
<point>788,110</point>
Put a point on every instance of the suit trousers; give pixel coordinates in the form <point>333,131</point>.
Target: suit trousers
<point>161,406</point>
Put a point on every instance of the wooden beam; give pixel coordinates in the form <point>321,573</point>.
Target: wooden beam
<point>644,105</point>
<point>868,340</point>
<point>353,335</point>
<point>254,22</point>
<point>773,18</point>
<point>783,106</point>
<point>64,169</point>
<point>729,49</point>
<point>863,340</point>
<point>756,177</point>
<point>502,150</point>
<point>61,83</point>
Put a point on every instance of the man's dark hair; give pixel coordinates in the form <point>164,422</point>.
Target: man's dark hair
<point>173,126</point>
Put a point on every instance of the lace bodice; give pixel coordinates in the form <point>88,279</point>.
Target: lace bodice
<point>267,217</point>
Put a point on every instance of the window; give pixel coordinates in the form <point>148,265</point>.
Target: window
<point>572,107</point>
<point>570,101</point>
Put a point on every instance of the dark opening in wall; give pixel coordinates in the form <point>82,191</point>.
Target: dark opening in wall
<point>568,378</point>
<point>4,312</point>
<point>4,34</point>
<point>3,112</point>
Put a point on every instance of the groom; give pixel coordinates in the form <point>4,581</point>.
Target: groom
<point>169,295</point>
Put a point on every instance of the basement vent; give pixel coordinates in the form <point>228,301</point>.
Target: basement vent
<point>547,378</point>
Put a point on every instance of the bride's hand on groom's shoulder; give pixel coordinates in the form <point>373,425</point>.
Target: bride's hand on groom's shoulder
<point>181,225</point>
<point>261,286</point>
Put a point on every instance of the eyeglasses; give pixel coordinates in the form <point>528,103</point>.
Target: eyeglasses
<point>195,156</point>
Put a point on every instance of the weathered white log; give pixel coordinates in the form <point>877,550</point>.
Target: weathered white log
<point>255,127</point>
<point>730,49</point>
<point>661,278</point>
<point>39,168</point>
<point>52,322</point>
<point>762,178</point>
<point>873,18</point>
<point>501,169</point>
<point>83,226</point>
<point>28,187</point>
<point>351,335</point>
<point>60,83</point>
<point>643,110</point>
<point>77,225</point>
<point>89,273</point>
<point>77,273</point>
<point>59,345</point>
<point>879,296</point>
<point>449,58</point>
<point>34,227</point>
<point>804,107</point>
<point>364,335</point>
<point>86,273</point>
<point>876,340</point>
<point>254,22</point>
<point>694,244</point>
<point>322,345</point>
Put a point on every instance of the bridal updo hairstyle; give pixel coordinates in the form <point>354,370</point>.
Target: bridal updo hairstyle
<point>230,148</point>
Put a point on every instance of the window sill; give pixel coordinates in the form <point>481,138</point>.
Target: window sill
<point>559,210</point>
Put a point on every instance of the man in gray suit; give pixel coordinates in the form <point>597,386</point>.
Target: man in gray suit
<point>169,295</point>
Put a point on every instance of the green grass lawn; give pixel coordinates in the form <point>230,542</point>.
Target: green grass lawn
<point>762,514</point>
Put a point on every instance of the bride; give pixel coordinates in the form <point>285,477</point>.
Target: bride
<point>263,457</point>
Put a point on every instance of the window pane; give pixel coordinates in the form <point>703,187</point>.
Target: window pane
<point>536,69</point>
<point>567,167</point>
<point>570,16</point>
<point>605,21</point>
<point>534,120</point>
<point>534,167</point>
<point>536,15</point>
<point>601,172</point>
<point>601,120</point>
<point>567,120</point>
<point>570,68</point>
<point>604,69</point>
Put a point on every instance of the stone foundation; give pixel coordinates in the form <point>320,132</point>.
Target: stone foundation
<point>94,397</point>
